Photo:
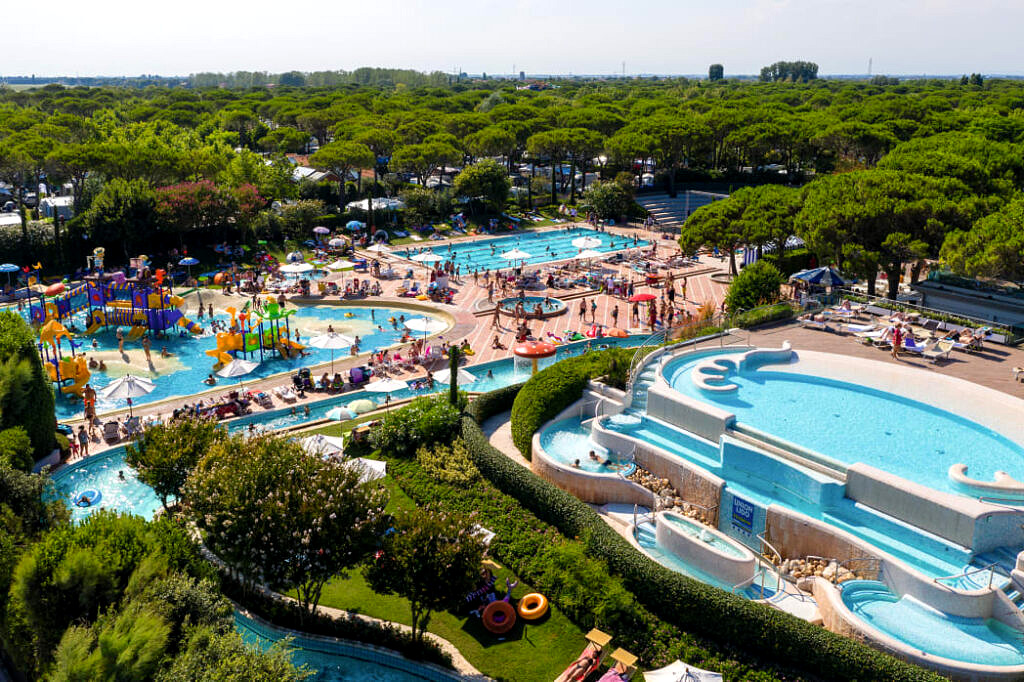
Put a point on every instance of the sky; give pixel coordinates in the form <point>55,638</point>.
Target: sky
<point>115,37</point>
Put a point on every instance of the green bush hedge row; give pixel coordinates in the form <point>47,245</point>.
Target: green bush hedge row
<point>764,314</point>
<point>551,390</point>
<point>692,606</point>
<point>290,615</point>
<point>575,579</point>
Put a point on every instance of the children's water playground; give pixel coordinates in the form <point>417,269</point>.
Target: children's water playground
<point>104,329</point>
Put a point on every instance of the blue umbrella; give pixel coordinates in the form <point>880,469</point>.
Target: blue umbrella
<point>825,277</point>
<point>354,225</point>
<point>188,262</point>
<point>9,268</point>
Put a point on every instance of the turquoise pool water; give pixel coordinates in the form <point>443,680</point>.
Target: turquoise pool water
<point>853,423</point>
<point>333,661</point>
<point>543,247</point>
<point>190,364</point>
<point>972,640</point>
<point>568,441</point>
<point>100,472</point>
<point>549,306</point>
<point>696,530</point>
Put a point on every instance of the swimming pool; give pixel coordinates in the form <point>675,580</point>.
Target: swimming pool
<point>543,247</point>
<point>99,472</point>
<point>183,373</point>
<point>549,307</point>
<point>568,441</point>
<point>983,641</point>
<point>335,661</point>
<point>851,423</point>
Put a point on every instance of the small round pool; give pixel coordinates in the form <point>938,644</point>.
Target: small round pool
<point>568,442</point>
<point>536,307</point>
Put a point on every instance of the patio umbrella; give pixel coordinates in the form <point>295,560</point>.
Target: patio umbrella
<point>9,268</point>
<point>465,377</point>
<point>321,230</point>
<point>586,242</point>
<point>680,672</point>
<point>515,254</point>
<point>323,445</point>
<point>369,469</point>
<point>296,268</point>
<point>825,277</point>
<point>188,262</point>
<point>587,254</point>
<point>426,325</point>
<point>354,225</point>
<point>340,414</point>
<point>427,257</point>
<point>380,248</point>
<point>386,386</point>
<point>331,341</point>
<point>641,298</point>
<point>237,368</point>
<point>361,406</point>
<point>126,388</point>
<point>294,257</point>
<point>336,243</point>
<point>341,264</point>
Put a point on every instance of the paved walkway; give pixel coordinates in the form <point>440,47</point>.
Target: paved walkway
<point>498,430</point>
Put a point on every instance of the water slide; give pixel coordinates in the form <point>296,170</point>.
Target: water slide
<point>77,370</point>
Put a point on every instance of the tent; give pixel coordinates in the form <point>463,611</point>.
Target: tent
<point>680,672</point>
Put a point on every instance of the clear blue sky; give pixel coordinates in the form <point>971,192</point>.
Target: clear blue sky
<point>117,37</point>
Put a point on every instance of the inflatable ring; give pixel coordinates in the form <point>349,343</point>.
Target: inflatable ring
<point>87,498</point>
<point>533,606</point>
<point>499,617</point>
<point>350,314</point>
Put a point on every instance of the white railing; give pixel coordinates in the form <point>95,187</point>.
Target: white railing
<point>963,574</point>
<point>638,517</point>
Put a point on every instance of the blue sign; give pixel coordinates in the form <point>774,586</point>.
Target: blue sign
<point>742,514</point>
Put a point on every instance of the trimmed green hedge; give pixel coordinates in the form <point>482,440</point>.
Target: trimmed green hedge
<point>693,606</point>
<point>764,314</point>
<point>290,615</point>
<point>551,390</point>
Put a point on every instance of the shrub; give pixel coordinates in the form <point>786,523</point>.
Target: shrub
<point>551,390</point>
<point>756,285</point>
<point>448,464</point>
<point>764,315</point>
<point>682,601</point>
<point>288,614</point>
<point>16,449</point>
<point>425,421</point>
<point>26,396</point>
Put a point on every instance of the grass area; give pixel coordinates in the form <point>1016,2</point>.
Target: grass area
<point>535,651</point>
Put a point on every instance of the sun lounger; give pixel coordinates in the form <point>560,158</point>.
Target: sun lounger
<point>111,432</point>
<point>623,668</point>
<point>912,346</point>
<point>808,323</point>
<point>286,394</point>
<point>862,328</point>
<point>940,350</point>
<point>589,660</point>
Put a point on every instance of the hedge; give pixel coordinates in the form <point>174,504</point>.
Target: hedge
<point>551,390</point>
<point>287,614</point>
<point>764,314</point>
<point>576,580</point>
<point>692,606</point>
<point>26,394</point>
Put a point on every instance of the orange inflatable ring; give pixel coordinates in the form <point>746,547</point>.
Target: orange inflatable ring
<point>499,617</point>
<point>218,278</point>
<point>533,606</point>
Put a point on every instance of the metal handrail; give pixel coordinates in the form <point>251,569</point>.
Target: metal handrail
<point>637,516</point>
<point>966,573</point>
<point>634,364</point>
<point>764,541</point>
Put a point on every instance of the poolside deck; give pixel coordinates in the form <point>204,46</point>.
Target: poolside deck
<point>991,368</point>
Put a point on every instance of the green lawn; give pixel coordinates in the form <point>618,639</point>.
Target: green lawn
<point>537,651</point>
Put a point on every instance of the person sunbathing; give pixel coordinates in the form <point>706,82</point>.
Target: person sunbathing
<point>581,666</point>
<point>497,344</point>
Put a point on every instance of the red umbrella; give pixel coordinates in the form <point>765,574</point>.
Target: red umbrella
<point>640,298</point>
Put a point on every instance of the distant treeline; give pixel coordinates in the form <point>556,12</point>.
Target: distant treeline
<point>362,76</point>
